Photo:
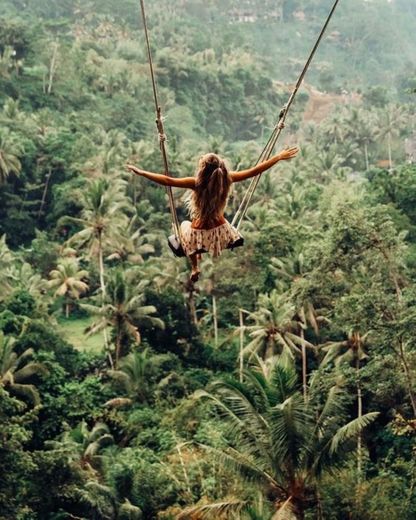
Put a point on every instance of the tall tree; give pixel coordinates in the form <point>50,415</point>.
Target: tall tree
<point>275,328</point>
<point>123,310</point>
<point>277,442</point>
<point>16,369</point>
<point>10,151</point>
<point>102,219</point>
<point>67,280</point>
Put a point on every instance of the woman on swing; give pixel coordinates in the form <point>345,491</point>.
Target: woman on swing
<point>209,230</point>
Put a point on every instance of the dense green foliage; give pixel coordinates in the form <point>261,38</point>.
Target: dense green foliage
<point>283,384</point>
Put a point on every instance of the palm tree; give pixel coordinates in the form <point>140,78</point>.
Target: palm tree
<point>7,61</point>
<point>66,279</point>
<point>361,129</point>
<point>113,146</point>
<point>133,378</point>
<point>352,351</point>
<point>391,122</point>
<point>6,260</point>
<point>290,273</point>
<point>135,242</point>
<point>16,369</point>
<point>275,441</point>
<point>83,446</point>
<point>329,164</point>
<point>275,327</point>
<point>102,220</point>
<point>10,150</point>
<point>123,310</point>
<point>23,277</point>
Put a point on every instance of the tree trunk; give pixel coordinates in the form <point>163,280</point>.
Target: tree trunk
<point>389,151</point>
<point>52,68</point>
<point>118,349</point>
<point>367,166</point>
<point>409,378</point>
<point>215,320</point>
<point>67,310</point>
<point>101,265</point>
<point>304,366</point>
<point>359,415</point>
<point>298,509</point>
<point>45,191</point>
<point>241,358</point>
<point>319,508</point>
<point>102,286</point>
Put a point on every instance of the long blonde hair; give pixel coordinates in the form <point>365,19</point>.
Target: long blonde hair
<point>209,198</point>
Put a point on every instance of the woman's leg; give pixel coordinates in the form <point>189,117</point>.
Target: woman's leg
<point>195,258</point>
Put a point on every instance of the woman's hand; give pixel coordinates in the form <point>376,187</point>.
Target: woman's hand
<point>133,169</point>
<point>289,153</point>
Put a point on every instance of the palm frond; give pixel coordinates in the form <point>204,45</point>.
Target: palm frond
<point>285,511</point>
<point>220,510</point>
<point>247,424</point>
<point>128,511</point>
<point>241,463</point>
<point>28,392</point>
<point>290,427</point>
<point>118,402</point>
<point>94,447</point>
<point>351,429</point>
<point>29,370</point>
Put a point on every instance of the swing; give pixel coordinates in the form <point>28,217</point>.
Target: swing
<point>174,241</point>
<point>177,249</point>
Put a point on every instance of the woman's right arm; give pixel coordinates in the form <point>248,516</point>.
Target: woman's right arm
<point>164,180</point>
<point>284,155</point>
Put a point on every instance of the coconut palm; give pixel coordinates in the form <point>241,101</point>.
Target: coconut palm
<point>23,277</point>
<point>83,446</point>
<point>102,220</point>
<point>16,370</point>
<point>66,279</point>
<point>133,378</point>
<point>329,164</point>
<point>123,310</point>
<point>113,148</point>
<point>135,242</point>
<point>10,151</point>
<point>6,260</point>
<point>275,328</point>
<point>361,128</point>
<point>12,115</point>
<point>275,441</point>
<point>350,350</point>
<point>8,61</point>
<point>289,271</point>
<point>391,121</point>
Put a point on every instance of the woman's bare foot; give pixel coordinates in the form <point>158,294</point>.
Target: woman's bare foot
<point>195,275</point>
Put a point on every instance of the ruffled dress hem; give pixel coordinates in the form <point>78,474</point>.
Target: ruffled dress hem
<point>213,241</point>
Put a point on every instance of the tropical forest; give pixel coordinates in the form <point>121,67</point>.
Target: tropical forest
<point>281,385</point>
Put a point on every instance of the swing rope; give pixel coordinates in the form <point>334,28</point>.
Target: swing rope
<point>271,143</point>
<point>160,128</point>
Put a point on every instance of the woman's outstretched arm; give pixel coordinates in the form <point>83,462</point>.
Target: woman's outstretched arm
<point>284,155</point>
<point>164,180</point>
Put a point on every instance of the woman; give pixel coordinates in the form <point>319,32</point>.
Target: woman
<point>209,230</point>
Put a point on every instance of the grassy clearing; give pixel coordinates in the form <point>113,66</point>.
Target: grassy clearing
<point>73,331</point>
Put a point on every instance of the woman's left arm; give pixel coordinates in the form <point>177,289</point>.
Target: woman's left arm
<point>284,155</point>
<point>164,180</point>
